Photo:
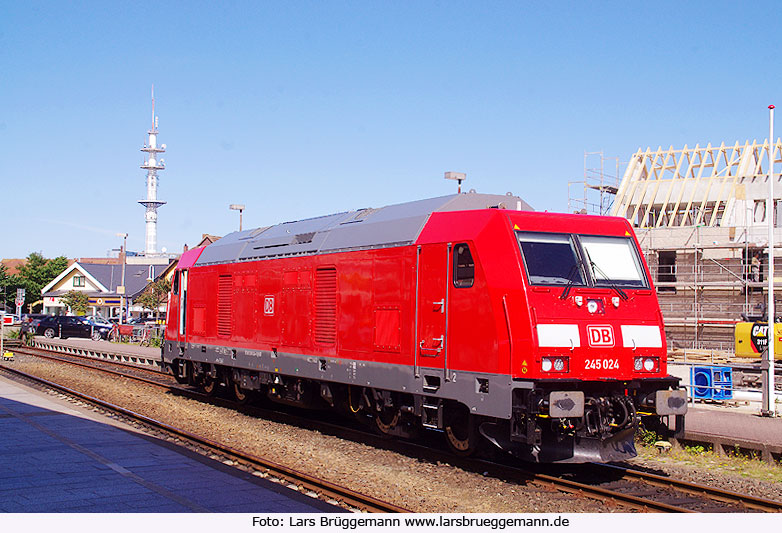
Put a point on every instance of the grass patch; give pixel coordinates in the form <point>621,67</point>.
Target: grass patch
<point>735,462</point>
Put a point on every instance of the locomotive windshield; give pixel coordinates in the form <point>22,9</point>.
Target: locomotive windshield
<point>613,260</point>
<point>550,258</point>
<point>565,259</point>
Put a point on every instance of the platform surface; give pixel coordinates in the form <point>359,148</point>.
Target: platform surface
<point>56,457</point>
<point>740,423</point>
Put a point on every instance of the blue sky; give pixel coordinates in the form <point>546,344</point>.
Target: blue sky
<point>299,109</point>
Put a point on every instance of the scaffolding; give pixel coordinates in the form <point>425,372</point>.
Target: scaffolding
<point>594,195</point>
<point>704,290</point>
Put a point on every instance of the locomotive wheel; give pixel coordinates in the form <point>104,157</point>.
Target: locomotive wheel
<point>209,385</point>
<point>461,431</point>
<point>386,420</point>
<point>240,395</point>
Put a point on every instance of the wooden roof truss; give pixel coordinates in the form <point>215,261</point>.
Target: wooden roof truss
<point>691,186</point>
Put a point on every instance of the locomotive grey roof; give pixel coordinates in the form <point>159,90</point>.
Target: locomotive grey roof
<point>393,225</point>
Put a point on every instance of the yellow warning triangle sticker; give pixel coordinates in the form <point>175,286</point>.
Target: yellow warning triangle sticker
<point>523,363</point>
<point>516,226</point>
<point>627,233</point>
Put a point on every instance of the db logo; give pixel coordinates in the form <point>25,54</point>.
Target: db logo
<point>600,335</point>
<point>268,305</point>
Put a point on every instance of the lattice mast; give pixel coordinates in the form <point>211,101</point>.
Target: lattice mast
<point>152,164</point>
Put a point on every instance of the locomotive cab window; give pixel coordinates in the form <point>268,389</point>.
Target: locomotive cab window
<point>550,258</point>
<point>613,261</point>
<point>175,284</point>
<point>463,267</point>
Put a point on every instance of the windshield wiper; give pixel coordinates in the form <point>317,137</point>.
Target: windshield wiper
<point>570,281</point>
<point>622,294</point>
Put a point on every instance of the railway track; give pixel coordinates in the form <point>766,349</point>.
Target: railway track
<point>289,476</point>
<point>142,373</point>
<point>626,486</point>
<point>748,502</point>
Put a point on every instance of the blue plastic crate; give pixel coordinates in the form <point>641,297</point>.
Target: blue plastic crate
<point>723,383</point>
<point>711,382</point>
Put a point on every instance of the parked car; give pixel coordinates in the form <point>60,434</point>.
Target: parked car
<point>71,326</point>
<point>142,320</point>
<point>16,319</point>
<point>98,321</point>
<point>34,319</point>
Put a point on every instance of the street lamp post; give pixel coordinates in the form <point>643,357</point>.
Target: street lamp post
<point>121,289</point>
<point>769,394</point>
<point>240,208</point>
<point>459,177</point>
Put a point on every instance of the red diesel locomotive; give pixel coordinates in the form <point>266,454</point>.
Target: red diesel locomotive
<point>539,333</point>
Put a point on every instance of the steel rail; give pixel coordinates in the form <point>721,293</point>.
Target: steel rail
<point>635,501</point>
<point>317,485</point>
<point>505,471</point>
<point>749,501</point>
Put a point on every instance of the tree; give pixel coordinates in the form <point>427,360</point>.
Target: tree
<point>77,301</point>
<point>155,295</point>
<point>34,275</point>
<point>6,288</point>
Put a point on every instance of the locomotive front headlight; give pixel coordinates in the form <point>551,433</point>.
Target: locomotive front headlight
<point>592,306</point>
<point>646,364</point>
<point>555,363</point>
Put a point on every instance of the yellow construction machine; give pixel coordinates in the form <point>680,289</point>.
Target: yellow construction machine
<point>751,339</point>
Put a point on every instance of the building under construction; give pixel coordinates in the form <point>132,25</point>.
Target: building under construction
<point>700,216</point>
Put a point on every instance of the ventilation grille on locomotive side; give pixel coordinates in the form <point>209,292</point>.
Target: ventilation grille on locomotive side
<point>224,301</point>
<point>325,324</point>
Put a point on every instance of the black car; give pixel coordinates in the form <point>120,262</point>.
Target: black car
<point>71,326</point>
<point>34,319</point>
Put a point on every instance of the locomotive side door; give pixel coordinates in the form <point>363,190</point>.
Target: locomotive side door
<point>172,309</point>
<point>182,318</point>
<point>432,306</point>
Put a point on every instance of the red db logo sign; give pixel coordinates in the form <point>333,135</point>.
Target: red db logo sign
<point>602,336</point>
<point>268,306</point>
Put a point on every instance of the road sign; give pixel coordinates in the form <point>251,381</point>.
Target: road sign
<point>8,320</point>
<point>19,301</point>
